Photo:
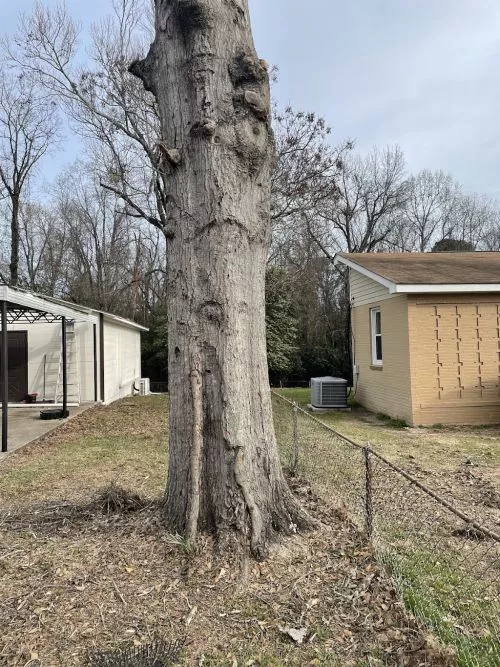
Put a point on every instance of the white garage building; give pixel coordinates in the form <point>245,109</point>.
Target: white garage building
<point>61,353</point>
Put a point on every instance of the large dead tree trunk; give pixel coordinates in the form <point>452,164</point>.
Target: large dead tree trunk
<point>217,145</point>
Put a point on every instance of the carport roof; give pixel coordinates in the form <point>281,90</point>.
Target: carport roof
<point>30,307</point>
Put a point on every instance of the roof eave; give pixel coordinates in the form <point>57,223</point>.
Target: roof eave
<point>418,288</point>
<point>366,272</point>
<point>449,288</point>
<point>124,322</point>
<point>61,308</point>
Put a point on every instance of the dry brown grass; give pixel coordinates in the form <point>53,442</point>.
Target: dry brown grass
<point>76,579</point>
<point>463,462</point>
<point>124,443</point>
<point>82,570</point>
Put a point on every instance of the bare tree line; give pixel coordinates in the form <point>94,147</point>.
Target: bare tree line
<point>374,205</point>
<point>99,236</point>
<point>81,246</point>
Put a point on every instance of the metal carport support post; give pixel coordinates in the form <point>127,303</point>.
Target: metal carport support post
<point>101,353</point>
<point>64,368</point>
<point>5,377</point>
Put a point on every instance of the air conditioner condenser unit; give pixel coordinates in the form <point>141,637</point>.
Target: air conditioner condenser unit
<point>329,392</point>
<point>144,387</point>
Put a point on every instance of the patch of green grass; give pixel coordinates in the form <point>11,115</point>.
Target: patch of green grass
<point>461,610</point>
<point>390,422</point>
<point>301,395</point>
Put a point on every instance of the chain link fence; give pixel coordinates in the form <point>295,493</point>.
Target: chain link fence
<point>445,563</point>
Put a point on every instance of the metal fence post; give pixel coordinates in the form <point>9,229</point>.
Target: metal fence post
<point>368,493</point>
<point>295,440</point>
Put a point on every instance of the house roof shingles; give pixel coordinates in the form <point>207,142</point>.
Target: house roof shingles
<point>440,268</point>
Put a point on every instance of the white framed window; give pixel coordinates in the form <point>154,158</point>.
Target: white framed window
<point>376,331</point>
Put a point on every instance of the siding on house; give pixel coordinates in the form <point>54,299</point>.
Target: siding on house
<point>364,290</point>
<point>85,340</point>
<point>384,389</point>
<point>441,350</point>
<point>44,353</point>
<point>122,360</point>
<point>455,358</point>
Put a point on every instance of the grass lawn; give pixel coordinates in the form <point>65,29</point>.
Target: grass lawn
<point>459,462</point>
<point>90,451</point>
<point>435,448</point>
<point>461,610</point>
<point>81,570</point>
<point>445,577</point>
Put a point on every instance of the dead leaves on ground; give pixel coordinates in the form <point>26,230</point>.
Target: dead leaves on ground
<point>81,579</point>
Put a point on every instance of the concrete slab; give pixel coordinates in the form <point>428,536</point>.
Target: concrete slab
<point>25,425</point>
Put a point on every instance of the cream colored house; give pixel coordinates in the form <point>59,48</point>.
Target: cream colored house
<point>103,351</point>
<point>426,335</point>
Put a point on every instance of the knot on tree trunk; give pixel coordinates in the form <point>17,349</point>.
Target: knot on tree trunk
<point>247,69</point>
<point>171,155</point>
<point>238,9</point>
<point>259,104</point>
<point>145,71</point>
<point>205,128</point>
<point>193,16</point>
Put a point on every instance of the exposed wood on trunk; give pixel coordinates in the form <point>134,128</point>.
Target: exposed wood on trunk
<point>214,101</point>
<point>195,456</point>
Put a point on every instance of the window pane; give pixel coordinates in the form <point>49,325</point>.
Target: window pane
<point>376,335</point>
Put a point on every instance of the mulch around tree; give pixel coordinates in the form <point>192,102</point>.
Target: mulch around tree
<point>105,574</point>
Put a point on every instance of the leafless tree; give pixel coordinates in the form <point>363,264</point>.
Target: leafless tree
<point>429,208</point>
<point>28,128</point>
<point>491,237</point>
<point>100,242</point>
<point>44,252</point>
<point>360,214</point>
<point>306,171</point>
<point>475,216</point>
<point>81,247</point>
<point>108,107</point>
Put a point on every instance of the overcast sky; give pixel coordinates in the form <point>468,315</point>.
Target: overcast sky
<point>424,74</point>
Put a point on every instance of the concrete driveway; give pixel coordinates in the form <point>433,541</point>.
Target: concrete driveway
<point>25,425</point>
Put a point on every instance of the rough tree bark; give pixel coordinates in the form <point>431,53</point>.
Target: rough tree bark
<point>217,145</point>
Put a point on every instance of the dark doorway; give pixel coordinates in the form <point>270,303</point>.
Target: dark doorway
<point>18,366</point>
